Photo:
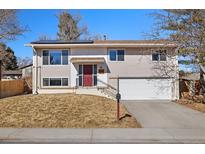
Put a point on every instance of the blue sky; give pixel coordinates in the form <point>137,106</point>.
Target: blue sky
<point>116,24</point>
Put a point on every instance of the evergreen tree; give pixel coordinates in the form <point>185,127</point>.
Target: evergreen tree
<point>9,61</point>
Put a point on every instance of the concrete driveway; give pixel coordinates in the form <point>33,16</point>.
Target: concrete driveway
<point>158,114</point>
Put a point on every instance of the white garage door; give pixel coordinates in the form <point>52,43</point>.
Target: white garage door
<point>145,89</point>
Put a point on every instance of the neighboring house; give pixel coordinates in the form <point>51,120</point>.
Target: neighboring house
<point>13,74</point>
<point>191,76</point>
<point>94,66</point>
<point>27,70</point>
<point>189,82</point>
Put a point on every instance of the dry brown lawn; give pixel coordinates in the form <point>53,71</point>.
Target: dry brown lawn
<point>196,102</point>
<point>62,111</point>
<point>193,105</point>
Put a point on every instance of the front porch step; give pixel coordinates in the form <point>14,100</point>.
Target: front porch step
<point>92,91</point>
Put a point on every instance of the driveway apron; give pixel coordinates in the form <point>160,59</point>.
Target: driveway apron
<point>159,114</point>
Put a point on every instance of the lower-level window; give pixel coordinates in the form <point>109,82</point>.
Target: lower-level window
<point>55,81</point>
<point>64,81</point>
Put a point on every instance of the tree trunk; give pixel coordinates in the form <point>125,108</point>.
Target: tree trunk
<point>0,70</point>
<point>201,81</point>
<point>192,88</point>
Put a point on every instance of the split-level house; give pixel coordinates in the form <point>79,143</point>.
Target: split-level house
<point>101,67</point>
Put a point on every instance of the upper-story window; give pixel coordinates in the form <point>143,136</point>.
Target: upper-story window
<point>159,55</point>
<point>55,57</point>
<point>116,55</point>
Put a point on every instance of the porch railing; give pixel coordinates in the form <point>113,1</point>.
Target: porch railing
<point>77,82</point>
<point>107,89</point>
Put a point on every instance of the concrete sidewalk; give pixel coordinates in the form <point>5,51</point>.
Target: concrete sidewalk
<point>111,135</point>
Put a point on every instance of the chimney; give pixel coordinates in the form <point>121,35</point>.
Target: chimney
<point>105,37</point>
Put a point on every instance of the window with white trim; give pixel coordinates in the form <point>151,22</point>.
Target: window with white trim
<point>116,55</point>
<point>55,57</point>
<point>159,55</point>
<point>55,82</point>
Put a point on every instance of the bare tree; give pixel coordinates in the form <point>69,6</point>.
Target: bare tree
<point>24,61</point>
<point>10,27</point>
<point>44,37</point>
<point>89,36</point>
<point>69,28</point>
<point>168,67</point>
<point>187,29</point>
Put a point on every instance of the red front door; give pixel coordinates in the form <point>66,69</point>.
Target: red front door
<point>87,75</point>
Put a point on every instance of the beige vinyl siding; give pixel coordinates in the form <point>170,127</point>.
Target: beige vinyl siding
<point>51,71</point>
<point>89,52</point>
<point>137,63</point>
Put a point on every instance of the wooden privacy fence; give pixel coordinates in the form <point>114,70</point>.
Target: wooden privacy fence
<point>11,88</point>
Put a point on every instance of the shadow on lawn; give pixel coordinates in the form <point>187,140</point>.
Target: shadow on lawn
<point>126,115</point>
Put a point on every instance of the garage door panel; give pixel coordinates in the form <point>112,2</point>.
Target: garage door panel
<point>140,89</point>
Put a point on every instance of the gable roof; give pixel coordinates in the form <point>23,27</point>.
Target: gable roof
<point>191,76</point>
<point>26,66</point>
<point>12,72</point>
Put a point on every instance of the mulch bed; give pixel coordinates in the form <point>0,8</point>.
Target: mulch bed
<point>63,111</point>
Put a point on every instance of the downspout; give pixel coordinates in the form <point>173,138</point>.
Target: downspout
<point>36,67</point>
